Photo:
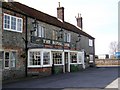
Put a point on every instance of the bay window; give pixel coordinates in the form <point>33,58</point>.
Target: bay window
<point>39,58</point>
<point>12,23</point>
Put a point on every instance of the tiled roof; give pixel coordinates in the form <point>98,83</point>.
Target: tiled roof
<point>33,13</point>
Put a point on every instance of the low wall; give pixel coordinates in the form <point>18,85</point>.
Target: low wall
<point>107,62</point>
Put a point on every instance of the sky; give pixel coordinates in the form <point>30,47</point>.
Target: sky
<point>100,17</point>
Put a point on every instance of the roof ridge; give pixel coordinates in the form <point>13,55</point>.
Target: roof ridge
<point>41,16</point>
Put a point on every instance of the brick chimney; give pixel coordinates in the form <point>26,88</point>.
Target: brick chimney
<point>60,12</point>
<point>79,21</point>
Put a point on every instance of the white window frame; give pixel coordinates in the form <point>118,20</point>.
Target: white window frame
<point>76,57</point>
<point>7,21</point>
<point>68,37</point>
<point>50,62</point>
<point>91,58</point>
<point>41,52</point>
<point>61,58</point>
<point>90,42</point>
<point>29,59</point>
<point>55,34</point>
<point>10,59</point>
<point>10,28</point>
<point>13,60</point>
<point>79,57</point>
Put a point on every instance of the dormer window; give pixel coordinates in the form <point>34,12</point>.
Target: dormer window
<point>12,23</point>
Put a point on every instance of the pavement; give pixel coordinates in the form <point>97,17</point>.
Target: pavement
<point>114,84</point>
<point>99,78</point>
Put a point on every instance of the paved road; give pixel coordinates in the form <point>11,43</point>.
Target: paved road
<point>89,78</point>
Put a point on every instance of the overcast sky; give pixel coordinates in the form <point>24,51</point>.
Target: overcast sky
<point>100,17</point>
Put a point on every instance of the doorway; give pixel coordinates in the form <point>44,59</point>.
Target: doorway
<point>66,61</point>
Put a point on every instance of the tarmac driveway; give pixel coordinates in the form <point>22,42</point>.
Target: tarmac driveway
<point>89,78</point>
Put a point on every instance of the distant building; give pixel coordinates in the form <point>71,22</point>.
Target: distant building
<point>103,56</point>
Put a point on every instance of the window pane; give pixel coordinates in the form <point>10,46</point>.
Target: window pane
<point>68,37</point>
<point>46,58</point>
<point>57,57</point>
<point>7,21</point>
<point>55,35</point>
<point>6,59</point>
<point>13,59</point>
<point>39,31</point>
<point>19,24</point>
<point>65,37</point>
<point>90,42</point>
<point>13,23</point>
<point>43,32</point>
<point>73,57</point>
<point>35,58</point>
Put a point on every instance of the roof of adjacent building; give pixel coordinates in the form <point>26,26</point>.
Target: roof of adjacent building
<point>40,16</point>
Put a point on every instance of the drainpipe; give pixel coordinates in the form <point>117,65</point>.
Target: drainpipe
<point>26,48</point>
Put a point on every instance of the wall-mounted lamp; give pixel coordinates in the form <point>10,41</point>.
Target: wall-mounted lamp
<point>35,25</point>
<point>79,38</point>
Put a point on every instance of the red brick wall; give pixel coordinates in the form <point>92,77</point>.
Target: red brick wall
<point>43,71</point>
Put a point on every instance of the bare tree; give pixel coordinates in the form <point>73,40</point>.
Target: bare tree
<point>113,47</point>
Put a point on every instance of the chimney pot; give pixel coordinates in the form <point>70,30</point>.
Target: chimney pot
<point>79,21</point>
<point>59,4</point>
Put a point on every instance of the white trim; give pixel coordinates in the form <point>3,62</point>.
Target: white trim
<point>41,54</point>
<point>90,42</point>
<point>63,61</point>
<point>58,64</point>
<point>9,29</point>
<point>68,61</point>
<point>42,50</point>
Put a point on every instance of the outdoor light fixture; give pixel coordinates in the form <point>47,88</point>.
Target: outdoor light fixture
<point>35,27</point>
<point>79,38</point>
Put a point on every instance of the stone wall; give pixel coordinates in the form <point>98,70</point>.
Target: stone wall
<point>107,62</point>
<point>13,41</point>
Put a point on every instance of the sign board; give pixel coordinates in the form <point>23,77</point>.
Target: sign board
<point>117,55</point>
